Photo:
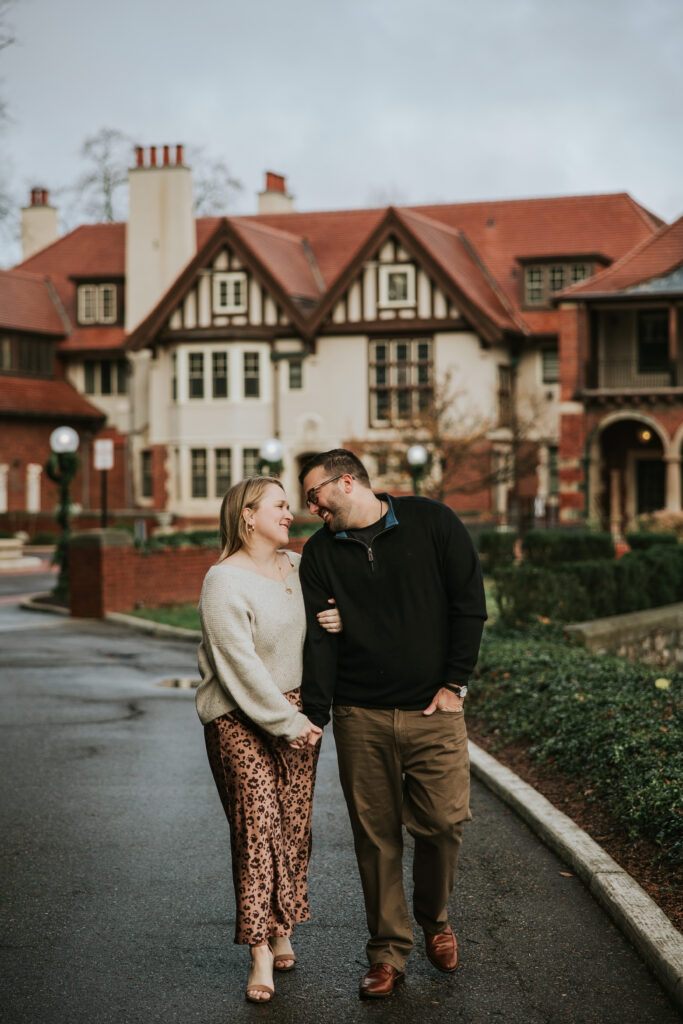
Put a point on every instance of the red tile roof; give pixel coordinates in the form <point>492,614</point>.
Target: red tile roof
<point>29,303</point>
<point>288,256</point>
<point>452,250</point>
<point>44,399</point>
<point>478,245</point>
<point>655,257</point>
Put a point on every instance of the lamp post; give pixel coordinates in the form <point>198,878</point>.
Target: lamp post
<point>61,467</point>
<point>417,457</point>
<point>271,452</point>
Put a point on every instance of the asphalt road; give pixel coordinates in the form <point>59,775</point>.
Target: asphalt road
<point>115,876</point>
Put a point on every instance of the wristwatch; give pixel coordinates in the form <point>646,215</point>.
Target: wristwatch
<point>457,689</point>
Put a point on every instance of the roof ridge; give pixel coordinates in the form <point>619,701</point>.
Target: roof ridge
<point>476,258</point>
<point>267,228</point>
<point>588,284</point>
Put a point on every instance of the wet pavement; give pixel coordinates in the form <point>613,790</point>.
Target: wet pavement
<point>117,903</point>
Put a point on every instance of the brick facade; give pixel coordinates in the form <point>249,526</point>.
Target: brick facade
<point>108,574</point>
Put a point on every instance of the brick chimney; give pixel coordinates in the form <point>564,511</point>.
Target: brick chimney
<point>38,223</point>
<point>275,198</point>
<point>161,235</point>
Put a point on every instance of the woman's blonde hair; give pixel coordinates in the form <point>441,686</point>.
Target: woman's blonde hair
<point>246,494</point>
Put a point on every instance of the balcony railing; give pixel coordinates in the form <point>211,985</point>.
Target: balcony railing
<point>625,373</point>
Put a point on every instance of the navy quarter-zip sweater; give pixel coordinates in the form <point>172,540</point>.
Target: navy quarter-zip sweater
<point>412,606</point>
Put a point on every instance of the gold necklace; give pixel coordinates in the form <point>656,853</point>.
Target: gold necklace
<point>288,590</point>
<point>278,566</point>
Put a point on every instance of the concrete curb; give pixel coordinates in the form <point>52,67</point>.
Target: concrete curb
<point>154,628</point>
<point>35,606</point>
<point>629,906</point>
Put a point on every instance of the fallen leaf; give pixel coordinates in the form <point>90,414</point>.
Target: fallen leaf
<point>566,874</point>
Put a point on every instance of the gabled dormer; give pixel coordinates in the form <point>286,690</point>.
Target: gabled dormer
<point>225,294</point>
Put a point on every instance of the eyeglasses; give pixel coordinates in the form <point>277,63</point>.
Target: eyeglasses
<point>312,495</point>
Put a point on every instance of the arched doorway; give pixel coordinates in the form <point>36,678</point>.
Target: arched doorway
<point>629,471</point>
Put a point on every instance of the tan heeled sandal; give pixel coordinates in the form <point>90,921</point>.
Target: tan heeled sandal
<point>250,994</point>
<point>283,961</point>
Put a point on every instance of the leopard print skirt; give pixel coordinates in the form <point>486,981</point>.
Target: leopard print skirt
<point>266,788</point>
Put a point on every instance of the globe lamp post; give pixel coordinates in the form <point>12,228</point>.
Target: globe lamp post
<point>61,467</point>
<point>417,457</point>
<point>271,452</point>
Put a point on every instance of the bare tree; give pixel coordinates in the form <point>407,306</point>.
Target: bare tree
<point>6,40</point>
<point>469,452</point>
<point>214,185</point>
<point>99,190</point>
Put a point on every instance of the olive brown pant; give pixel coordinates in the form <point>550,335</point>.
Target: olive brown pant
<point>403,768</point>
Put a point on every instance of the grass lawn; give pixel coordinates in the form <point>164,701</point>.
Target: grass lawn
<point>185,616</point>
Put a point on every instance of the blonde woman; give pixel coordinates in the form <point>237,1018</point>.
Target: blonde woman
<point>262,750</point>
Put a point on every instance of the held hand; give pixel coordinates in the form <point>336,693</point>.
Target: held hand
<point>308,737</point>
<point>330,619</point>
<point>444,700</point>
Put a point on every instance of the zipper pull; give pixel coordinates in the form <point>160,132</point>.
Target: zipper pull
<point>370,557</point>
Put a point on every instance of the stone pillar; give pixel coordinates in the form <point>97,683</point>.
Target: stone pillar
<point>33,475</point>
<point>615,503</point>
<point>4,472</point>
<point>673,483</point>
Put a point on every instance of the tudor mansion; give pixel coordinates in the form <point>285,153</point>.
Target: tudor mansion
<point>534,347</point>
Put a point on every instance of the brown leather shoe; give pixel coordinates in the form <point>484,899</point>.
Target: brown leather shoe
<point>442,949</point>
<point>380,981</point>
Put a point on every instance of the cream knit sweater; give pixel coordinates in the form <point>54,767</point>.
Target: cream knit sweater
<point>251,651</point>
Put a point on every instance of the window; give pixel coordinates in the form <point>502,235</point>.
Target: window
<point>223,461</point>
<point>296,374</point>
<point>252,383</point>
<point>553,469</point>
<point>97,304</point>
<point>543,280</point>
<point>550,365</point>
<point>533,285</point>
<point>146,474</point>
<point>653,341</point>
<point>556,279</point>
<point>504,396</point>
<point>196,375</point>
<point>105,376</point>
<point>230,292</point>
<point>198,472</point>
<point>219,374</point>
<point>397,285</point>
<point>174,377</point>
<point>401,379</point>
<point>32,357</point>
<point>251,461</point>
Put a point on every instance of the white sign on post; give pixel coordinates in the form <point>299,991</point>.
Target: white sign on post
<point>104,453</point>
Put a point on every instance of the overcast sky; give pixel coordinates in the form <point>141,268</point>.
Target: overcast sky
<point>358,102</point>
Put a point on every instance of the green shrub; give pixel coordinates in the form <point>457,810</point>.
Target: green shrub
<point>646,539</point>
<point>44,537</point>
<point>525,592</point>
<point>596,717</point>
<point>578,591</point>
<point>497,548</point>
<point>555,547</point>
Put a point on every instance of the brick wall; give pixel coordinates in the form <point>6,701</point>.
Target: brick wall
<point>108,574</point>
<point>27,441</point>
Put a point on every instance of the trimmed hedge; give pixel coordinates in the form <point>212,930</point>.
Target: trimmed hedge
<point>599,718</point>
<point>648,539</point>
<point>497,548</point>
<point>591,589</point>
<point>555,547</point>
